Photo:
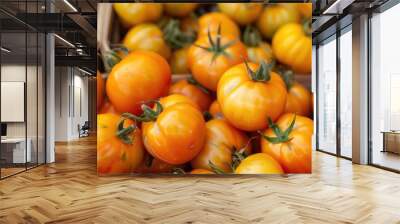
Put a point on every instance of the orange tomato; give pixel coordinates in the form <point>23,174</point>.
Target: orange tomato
<point>274,16</point>
<point>175,132</point>
<point>259,163</point>
<point>139,77</point>
<point>189,24</point>
<point>299,99</point>
<point>132,14</point>
<point>222,140</point>
<point>200,171</point>
<point>190,88</point>
<point>114,155</point>
<point>305,9</point>
<point>212,55</point>
<point>179,9</point>
<point>107,107</point>
<point>289,141</point>
<point>147,37</point>
<point>249,94</point>
<point>100,90</point>
<point>257,50</point>
<point>242,13</point>
<point>179,61</point>
<point>215,110</point>
<point>211,22</point>
<point>154,166</point>
<point>292,46</point>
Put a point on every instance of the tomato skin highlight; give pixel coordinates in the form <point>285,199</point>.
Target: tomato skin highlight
<point>131,14</point>
<point>139,77</point>
<point>259,163</point>
<point>222,140</point>
<point>295,154</point>
<point>248,104</point>
<point>292,47</point>
<point>178,133</point>
<point>202,99</point>
<point>113,155</point>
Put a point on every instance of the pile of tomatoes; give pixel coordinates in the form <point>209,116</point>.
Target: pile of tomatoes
<point>207,88</point>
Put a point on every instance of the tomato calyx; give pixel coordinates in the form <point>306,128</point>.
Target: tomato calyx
<point>216,47</point>
<point>123,132</point>
<point>237,157</point>
<point>194,82</point>
<point>178,171</point>
<point>287,76</point>
<point>111,57</point>
<point>148,113</point>
<point>215,168</point>
<point>251,36</point>
<point>281,136</point>
<point>174,36</point>
<point>262,74</point>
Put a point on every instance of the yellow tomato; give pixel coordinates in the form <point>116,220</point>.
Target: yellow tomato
<point>222,141</point>
<point>179,61</point>
<point>249,94</point>
<point>275,16</point>
<point>179,9</point>
<point>259,163</point>
<point>292,46</point>
<point>147,37</point>
<point>305,9</point>
<point>242,13</point>
<point>132,14</point>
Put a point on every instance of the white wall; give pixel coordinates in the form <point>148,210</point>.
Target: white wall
<point>71,94</point>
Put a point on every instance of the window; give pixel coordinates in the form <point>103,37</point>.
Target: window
<point>385,89</point>
<point>327,96</point>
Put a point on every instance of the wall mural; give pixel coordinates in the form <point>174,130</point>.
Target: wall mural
<point>188,88</point>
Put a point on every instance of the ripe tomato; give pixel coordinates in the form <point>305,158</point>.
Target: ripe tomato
<point>257,50</point>
<point>193,90</point>
<point>179,9</point>
<point>100,90</point>
<point>259,163</point>
<point>289,141</point>
<point>179,61</point>
<point>107,107</point>
<point>274,16</point>
<point>113,154</point>
<point>175,132</point>
<point>132,14</point>
<point>249,94</point>
<point>299,99</point>
<point>154,165</point>
<point>222,140</point>
<point>212,55</point>
<point>189,24</point>
<point>211,21</point>
<point>305,9</point>
<point>200,171</point>
<point>292,47</point>
<point>215,110</point>
<point>242,13</point>
<point>147,37</point>
<point>140,76</point>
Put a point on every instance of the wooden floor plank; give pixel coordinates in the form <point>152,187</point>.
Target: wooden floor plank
<point>69,191</point>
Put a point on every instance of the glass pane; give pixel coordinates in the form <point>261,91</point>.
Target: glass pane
<point>13,86</point>
<point>31,100</point>
<point>327,96</point>
<point>346,94</point>
<point>385,86</point>
<point>41,99</point>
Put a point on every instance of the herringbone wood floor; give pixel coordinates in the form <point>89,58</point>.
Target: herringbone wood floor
<point>69,191</point>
